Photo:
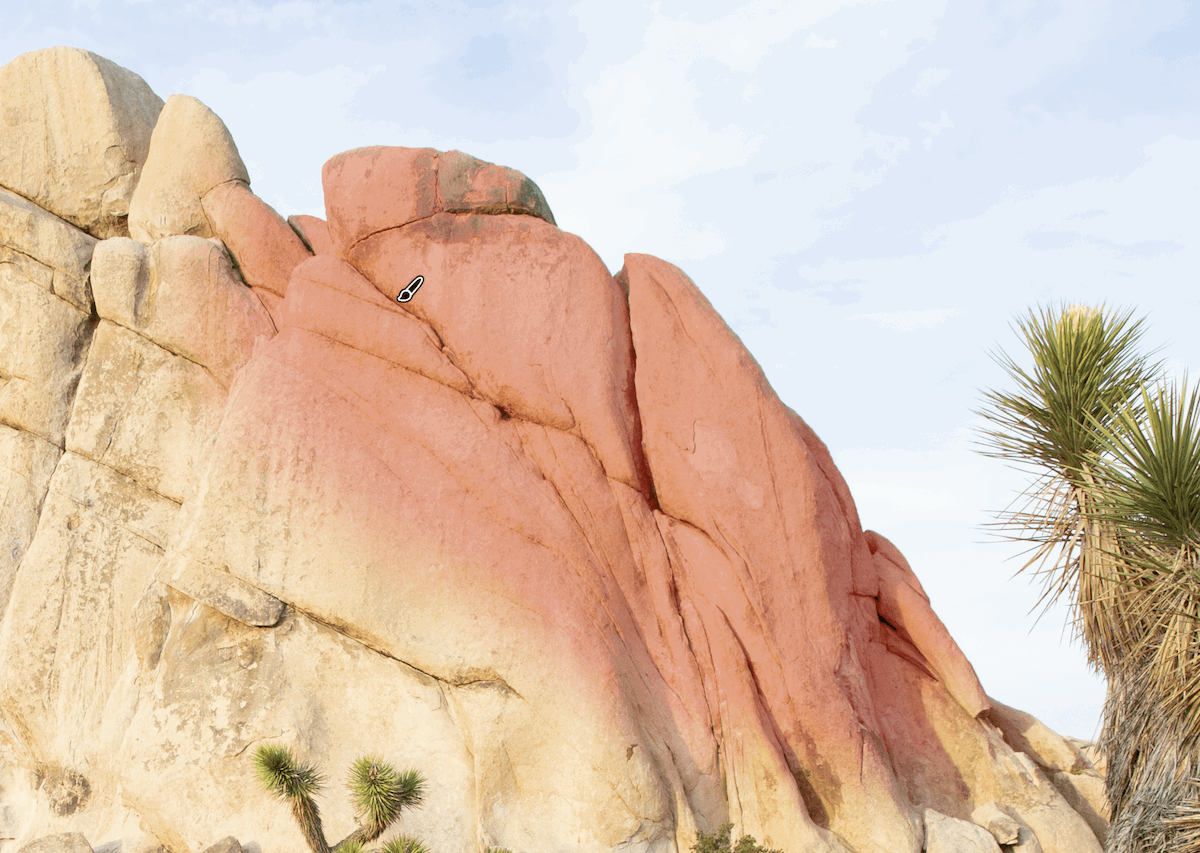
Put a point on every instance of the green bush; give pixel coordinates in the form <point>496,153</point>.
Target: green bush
<point>379,791</point>
<point>720,842</point>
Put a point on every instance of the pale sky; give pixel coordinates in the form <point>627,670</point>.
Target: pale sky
<point>868,192</point>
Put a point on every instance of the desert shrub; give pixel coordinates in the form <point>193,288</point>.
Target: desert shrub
<point>719,842</point>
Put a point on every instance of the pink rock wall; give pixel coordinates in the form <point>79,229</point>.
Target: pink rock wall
<point>558,516</point>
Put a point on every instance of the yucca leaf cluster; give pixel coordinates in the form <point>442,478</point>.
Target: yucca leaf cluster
<point>1113,517</point>
<point>380,794</point>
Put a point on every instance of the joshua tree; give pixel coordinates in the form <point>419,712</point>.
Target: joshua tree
<point>380,793</point>
<point>1114,518</point>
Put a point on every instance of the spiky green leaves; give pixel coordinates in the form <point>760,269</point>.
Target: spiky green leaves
<point>1118,458</point>
<point>1150,473</point>
<point>381,793</point>
<point>1086,369</point>
<point>296,784</point>
<point>280,774</point>
<point>1086,365</point>
<point>404,844</point>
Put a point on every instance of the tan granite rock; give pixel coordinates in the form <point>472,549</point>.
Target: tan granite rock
<point>948,835</point>
<point>26,463</point>
<point>183,294</point>
<point>191,152</point>
<point>1001,825</point>
<point>45,249</point>
<point>43,342</point>
<point>75,131</point>
<point>1031,736</point>
<point>144,411</point>
<point>1085,791</point>
<point>66,641</point>
<point>66,842</point>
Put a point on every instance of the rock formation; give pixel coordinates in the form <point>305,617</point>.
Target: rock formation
<point>542,532</point>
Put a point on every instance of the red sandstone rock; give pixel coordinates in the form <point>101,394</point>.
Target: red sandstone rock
<point>265,247</point>
<point>331,298</point>
<point>729,459</point>
<point>314,231</point>
<point>884,549</point>
<point>469,185</point>
<point>370,189</point>
<point>530,314</point>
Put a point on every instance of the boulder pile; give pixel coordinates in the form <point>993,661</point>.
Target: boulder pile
<point>544,532</point>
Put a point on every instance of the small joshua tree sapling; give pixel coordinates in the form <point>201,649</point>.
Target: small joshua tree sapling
<point>379,791</point>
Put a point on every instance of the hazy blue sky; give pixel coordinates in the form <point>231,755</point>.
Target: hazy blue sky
<point>868,192</point>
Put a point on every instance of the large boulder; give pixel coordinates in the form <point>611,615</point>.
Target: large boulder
<point>75,129</point>
<point>190,153</point>
<point>184,294</point>
<point>544,533</point>
<point>947,835</point>
<point>379,187</point>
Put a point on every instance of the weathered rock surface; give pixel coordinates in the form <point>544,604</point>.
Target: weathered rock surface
<point>144,412</point>
<point>66,842</point>
<point>191,152</point>
<point>266,247</point>
<point>44,316</point>
<point>1085,792</point>
<point>45,249</point>
<point>544,533</point>
<point>371,189</point>
<point>75,129</point>
<point>1002,827</point>
<point>26,463</point>
<point>1031,736</point>
<point>183,294</point>
<point>945,834</point>
<point>314,231</point>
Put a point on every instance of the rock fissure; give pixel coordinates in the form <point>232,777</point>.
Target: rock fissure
<point>167,348</point>
<point>448,681</point>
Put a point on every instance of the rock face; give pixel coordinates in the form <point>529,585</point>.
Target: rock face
<point>75,130</point>
<point>542,532</point>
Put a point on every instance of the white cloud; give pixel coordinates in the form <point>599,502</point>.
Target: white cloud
<point>938,126</point>
<point>929,80</point>
<point>910,321</point>
<point>816,41</point>
<point>242,14</point>
<point>687,105</point>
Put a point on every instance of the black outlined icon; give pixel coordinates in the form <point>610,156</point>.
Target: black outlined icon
<point>409,292</point>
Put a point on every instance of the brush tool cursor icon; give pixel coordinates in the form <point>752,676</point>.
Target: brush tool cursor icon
<point>409,292</point>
